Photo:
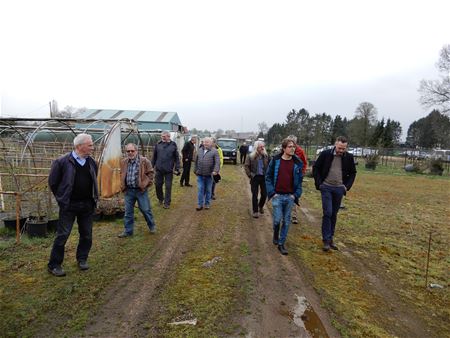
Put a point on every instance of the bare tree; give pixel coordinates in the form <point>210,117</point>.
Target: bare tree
<point>365,120</point>
<point>436,93</point>
<point>262,127</point>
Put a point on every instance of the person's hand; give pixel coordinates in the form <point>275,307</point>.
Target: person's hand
<point>214,173</point>
<point>177,172</point>
<point>292,196</point>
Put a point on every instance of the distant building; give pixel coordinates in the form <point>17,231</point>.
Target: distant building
<point>145,120</point>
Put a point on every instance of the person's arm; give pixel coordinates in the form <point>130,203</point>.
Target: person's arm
<point>149,172</point>
<point>216,163</point>
<point>177,159</point>
<point>317,168</point>
<point>54,178</point>
<point>270,180</point>
<point>247,167</point>
<point>155,155</point>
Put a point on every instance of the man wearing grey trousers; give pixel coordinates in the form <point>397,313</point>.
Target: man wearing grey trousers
<point>166,162</point>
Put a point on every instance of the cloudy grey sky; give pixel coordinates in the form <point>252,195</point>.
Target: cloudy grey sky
<point>221,64</point>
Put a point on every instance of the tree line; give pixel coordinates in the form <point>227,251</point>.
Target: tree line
<point>322,129</point>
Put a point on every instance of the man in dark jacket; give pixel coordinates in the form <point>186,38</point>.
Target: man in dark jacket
<point>73,181</point>
<point>284,186</point>
<point>165,161</point>
<point>334,173</point>
<point>243,150</point>
<point>188,155</point>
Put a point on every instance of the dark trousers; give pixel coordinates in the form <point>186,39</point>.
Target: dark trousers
<point>83,212</point>
<point>331,202</point>
<point>185,176</point>
<point>243,157</point>
<point>166,179</point>
<point>258,182</point>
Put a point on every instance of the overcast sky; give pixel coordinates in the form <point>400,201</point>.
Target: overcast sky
<point>221,64</point>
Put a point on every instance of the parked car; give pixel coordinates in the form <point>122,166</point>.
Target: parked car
<point>362,152</point>
<point>229,149</point>
<point>318,151</point>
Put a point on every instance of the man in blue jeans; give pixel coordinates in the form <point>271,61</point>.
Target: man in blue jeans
<point>207,165</point>
<point>284,186</point>
<point>334,173</point>
<point>136,174</point>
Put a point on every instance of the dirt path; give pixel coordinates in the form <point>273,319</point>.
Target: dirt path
<point>282,304</point>
<point>128,300</point>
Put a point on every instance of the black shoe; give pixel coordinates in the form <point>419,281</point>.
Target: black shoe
<point>189,185</point>
<point>124,234</point>
<point>57,271</point>
<point>199,208</point>
<point>261,210</point>
<point>282,249</point>
<point>83,265</point>
<point>333,246</point>
<point>213,198</point>
<point>326,246</point>
<point>275,241</point>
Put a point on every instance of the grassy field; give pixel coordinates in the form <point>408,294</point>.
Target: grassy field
<point>384,230</point>
<point>385,227</point>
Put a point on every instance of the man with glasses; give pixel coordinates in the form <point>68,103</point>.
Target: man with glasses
<point>284,186</point>
<point>136,173</point>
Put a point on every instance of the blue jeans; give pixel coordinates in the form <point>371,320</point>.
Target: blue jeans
<point>281,211</point>
<point>204,184</point>
<point>131,196</point>
<point>331,202</point>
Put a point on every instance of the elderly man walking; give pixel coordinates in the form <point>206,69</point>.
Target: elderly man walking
<point>136,175</point>
<point>334,173</point>
<point>207,164</point>
<point>73,181</point>
<point>188,156</point>
<point>165,161</point>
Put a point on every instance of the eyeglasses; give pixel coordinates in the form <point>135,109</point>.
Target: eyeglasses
<point>290,147</point>
<point>131,151</point>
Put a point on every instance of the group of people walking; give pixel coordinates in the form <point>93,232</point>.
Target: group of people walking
<point>73,181</point>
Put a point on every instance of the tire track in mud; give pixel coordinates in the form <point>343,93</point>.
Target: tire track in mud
<point>279,284</point>
<point>128,299</point>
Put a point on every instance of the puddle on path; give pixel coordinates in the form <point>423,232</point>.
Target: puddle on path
<point>305,317</point>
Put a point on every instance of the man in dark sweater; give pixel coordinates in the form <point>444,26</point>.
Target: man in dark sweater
<point>166,162</point>
<point>284,186</point>
<point>188,156</point>
<point>73,181</point>
<point>334,173</point>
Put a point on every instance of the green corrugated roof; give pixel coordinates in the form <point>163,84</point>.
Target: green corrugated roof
<point>137,115</point>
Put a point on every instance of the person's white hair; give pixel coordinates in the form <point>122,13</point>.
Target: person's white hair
<point>293,138</point>
<point>165,132</point>
<point>133,145</point>
<point>81,139</point>
<point>255,149</point>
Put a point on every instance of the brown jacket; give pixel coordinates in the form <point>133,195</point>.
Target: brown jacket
<point>251,165</point>
<point>145,178</point>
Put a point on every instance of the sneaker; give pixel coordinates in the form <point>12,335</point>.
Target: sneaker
<point>83,265</point>
<point>166,206</point>
<point>207,207</point>
<point>124,234</point>
<point>57,271</point>
<point>282,249</point>
<point>294,220</point>
<point>255,215</point>
<point>152,230</point>
<point>326,247</point>
<point>261,211</point>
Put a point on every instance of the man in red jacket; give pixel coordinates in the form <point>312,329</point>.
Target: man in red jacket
<point>300,153</point>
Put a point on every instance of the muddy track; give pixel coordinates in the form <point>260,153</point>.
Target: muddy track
<point>129,298</point>
<point>279,287</point>
<point>405,323</point>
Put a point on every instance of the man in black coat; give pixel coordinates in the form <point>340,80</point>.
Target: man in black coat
<point>166,162</point>
<point>73,181</point>
<point>334,173</point>
<point>243,151</point>
<point>188,155</point>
